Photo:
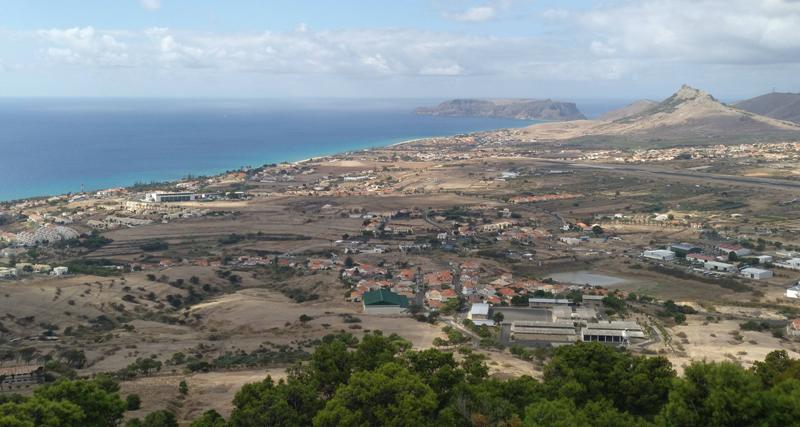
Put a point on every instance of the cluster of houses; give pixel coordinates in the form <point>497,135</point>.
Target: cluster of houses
<point>718,263</point>
<point>22,267</point>
<point>433,289</point>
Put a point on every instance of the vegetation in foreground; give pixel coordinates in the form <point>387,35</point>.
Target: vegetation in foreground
<point>381,381</point>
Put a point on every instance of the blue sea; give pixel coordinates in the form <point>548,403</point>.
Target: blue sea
<point>56,146</point>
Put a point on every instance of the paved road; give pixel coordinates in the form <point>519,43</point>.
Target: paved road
<point>783,184</point>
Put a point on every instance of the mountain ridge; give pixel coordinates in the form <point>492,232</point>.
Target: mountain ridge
<point>778,105</point>
<point>689,116</point>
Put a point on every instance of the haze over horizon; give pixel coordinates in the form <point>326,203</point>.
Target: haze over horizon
<point>418,49</point>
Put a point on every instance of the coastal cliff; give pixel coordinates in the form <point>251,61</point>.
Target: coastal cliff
<point>522,109</point>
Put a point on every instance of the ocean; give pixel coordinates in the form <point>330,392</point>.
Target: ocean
<point>56,146</point>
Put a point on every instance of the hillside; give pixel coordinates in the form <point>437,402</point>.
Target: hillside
<point>689,116</point>
<point>781,106</point>
<point>522,109</point>
<point>632,109</point>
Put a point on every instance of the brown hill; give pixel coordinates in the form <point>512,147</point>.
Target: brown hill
<point>633,109</point>
<point>690,116</point>
<point>781,106</point>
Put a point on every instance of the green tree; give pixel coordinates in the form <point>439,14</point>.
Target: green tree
<point>439,370</point>
<point>376,349</point>
<point>133,402</point>
<point>160,418</point>
<point>782,404</point>
<point>388,396</point>
<point>40,412</point>
<point>714,394</point>
<point>588,371</point>
<point>100,407</point>
<point>210,418</point>
<point>331,365</point>
<point>286,403</point>
<point>183,388</point>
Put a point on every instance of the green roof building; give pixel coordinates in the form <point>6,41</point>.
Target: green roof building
<point>384,301</point>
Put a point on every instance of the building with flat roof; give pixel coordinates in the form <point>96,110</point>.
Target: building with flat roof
<point>547,302</point>
<point>161,197</point>
<point>756,273</point>
<point>613,332</point>
<point>719,266</point>
<point>8,273</point>
<point>793,292</point>
<point>535,332</point>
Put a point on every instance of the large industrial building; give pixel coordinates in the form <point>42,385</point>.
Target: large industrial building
<point>159,197</point>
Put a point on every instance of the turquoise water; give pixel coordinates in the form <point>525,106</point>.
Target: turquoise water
<point>55,146</point>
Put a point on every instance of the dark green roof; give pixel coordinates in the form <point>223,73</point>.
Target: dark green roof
<point>384,297</point>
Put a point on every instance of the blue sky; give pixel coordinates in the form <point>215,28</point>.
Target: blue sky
<point>412,48</point>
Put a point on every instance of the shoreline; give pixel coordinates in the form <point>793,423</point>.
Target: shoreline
<point>296,162</point>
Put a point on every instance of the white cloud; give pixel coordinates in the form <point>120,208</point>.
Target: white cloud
<point>699,31</point>
<point>612,41</point>
<point>473,14</point>
<point>84,46</point>
<point>150,5</point>
<point>344,52</point>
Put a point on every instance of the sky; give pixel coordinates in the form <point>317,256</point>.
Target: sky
<point>567,50</point>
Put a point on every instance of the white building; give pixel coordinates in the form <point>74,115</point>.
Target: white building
<point>479,314</point>
<point>8,273</point>
<point>764,259</point>
<point>719,266</point>
<point>161,197</point>
<point>659,254</point>
<point>59,271</point>
<point>793,292</point>
<point>792,264</point>
<point>756,273</point>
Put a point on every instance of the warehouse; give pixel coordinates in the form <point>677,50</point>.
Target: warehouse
<point>384,301</point>
<point>534,332</point>
<point>613,332</point>
<point>756,273</point>
<point>659,254</point>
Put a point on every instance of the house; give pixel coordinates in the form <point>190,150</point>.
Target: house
<point>498,226</point>
<point>792,264</point>
<point>659,254</point>
<point>479,314</point>
<point>41,268</point>
<point>447,294</point>
<point>8,273</point>
<point>728,248</point>
<point>507,293</point>
<point>764,259</point>
<point>439,278</point>
<point>18,376</point>
<point>756,273</point>
<point>384,301</point>
<point>793,292</point>
<point>59,271</point>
